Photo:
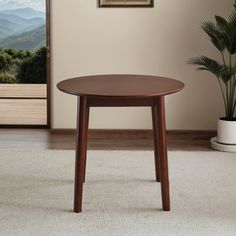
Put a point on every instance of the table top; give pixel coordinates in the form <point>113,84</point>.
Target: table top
<point>120,85</point>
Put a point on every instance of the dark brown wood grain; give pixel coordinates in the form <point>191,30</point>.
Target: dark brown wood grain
<point>100,101</point>
<point>86,137</point>
<point>162,152</point>
<point>155,134</point>
<point>129,86</point>
<point>81,150</point>
<point>115,91</point>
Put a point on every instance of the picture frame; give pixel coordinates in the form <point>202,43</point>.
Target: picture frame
<point>126,3</point>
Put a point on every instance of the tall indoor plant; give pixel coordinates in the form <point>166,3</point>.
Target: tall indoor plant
<point>222,34</point>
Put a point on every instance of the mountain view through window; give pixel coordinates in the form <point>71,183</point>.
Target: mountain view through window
<point>23,63</point>
<point>22,41</point>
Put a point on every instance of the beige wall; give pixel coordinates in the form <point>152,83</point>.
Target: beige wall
<point>90,40</point>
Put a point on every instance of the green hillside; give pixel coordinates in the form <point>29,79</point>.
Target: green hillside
<point>19,20</point>
<point>8,28</point>
<point>11,25</point>
<point>30,40</point>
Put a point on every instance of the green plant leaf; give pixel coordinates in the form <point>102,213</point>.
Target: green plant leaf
<point>208,64</point>
<point>223,36</point>
<point>221,22</point>
<point>225,74</point>
<point>230,30</point>
<point>216,35</point>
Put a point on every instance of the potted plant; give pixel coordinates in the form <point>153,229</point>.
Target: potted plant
<point>222,34</point>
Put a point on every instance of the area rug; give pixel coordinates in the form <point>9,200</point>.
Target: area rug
<point>120,195</point>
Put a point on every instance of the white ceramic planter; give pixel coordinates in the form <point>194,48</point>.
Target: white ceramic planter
<point>226,132</point>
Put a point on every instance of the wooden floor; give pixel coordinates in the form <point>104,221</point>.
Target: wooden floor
<point>102,140</point>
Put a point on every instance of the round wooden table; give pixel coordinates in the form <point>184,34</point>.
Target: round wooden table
<point>120,91</point>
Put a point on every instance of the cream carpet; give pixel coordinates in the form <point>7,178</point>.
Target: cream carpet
<point>120,195</point>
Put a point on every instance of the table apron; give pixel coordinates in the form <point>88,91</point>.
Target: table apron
<point>120,101</point>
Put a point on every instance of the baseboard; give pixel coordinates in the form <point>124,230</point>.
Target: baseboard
<point>24,127</point>
<point>130,131</point>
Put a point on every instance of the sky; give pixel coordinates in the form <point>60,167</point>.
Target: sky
<point>12,4</point>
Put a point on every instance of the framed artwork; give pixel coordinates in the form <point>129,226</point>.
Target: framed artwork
<point>126,3</point>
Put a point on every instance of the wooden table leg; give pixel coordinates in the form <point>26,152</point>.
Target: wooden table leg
<point>81,148</point>
<point>162,152</point>
<point>86,138</point>
<point>155,131</point>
